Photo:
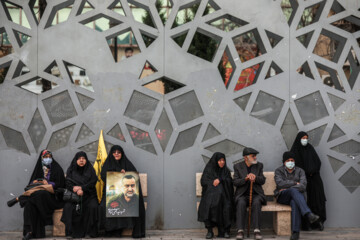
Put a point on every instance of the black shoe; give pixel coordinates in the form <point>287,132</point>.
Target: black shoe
<point>27,236</point>
<point>209,235</point>
<point>220,235</point>
<point>321,226</point>
<point>226,235</point>
<point>12,202</point>
<point>312,217</point>
<point>295,236</point>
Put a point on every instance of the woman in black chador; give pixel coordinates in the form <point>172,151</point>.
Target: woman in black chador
<point>40,205</point>
<point>307,159</point>
<point>216,205</point>
<point>118,162</point>
<point>81,218</point>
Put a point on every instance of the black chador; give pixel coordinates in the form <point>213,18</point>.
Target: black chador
<point>40,205</point>
<point>81,218</point>
<point>216,205</point>
<point>114,226</point>
<point>307,159</point>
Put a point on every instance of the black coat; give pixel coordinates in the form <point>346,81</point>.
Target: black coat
<point>113,224</point>
<point>240,173</point>
<point>216,203</point>
<point>80,222</point>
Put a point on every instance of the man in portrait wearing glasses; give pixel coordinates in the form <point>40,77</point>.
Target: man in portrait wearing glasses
<point>128,200</point>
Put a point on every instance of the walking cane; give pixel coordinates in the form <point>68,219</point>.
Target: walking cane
<point>250,203</point>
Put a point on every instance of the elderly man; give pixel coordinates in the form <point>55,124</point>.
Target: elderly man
<point>246,172</point>
<point>290,188</point>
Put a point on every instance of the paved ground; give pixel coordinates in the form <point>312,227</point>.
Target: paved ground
<point>327,234</point>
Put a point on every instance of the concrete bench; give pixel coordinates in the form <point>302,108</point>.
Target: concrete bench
<point>59,227</point>
<point>281,213</point>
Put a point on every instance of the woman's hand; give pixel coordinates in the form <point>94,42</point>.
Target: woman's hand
<point>122,170</point>
<point>80,192</point>
<point>216,182</point>
<point>45,182</point>
<point>76,188</point>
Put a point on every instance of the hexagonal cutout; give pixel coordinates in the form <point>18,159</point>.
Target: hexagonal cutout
<point>123,45</point>
<point>15,13</point>
<point>227,23</point>
<point>329,45</point>
<point>78,76</point>
<point>37,85</point>
<point>248,76</point>
<point>100,22</point>
<point>204,45</point>
<point>163,85</point>
<point>249,45</point>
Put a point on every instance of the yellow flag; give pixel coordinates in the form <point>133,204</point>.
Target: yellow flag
<point>100,159</point>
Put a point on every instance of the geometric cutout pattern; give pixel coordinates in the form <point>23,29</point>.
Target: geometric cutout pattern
<point>326,39</point>
<point>226,67</point>
<point>267,108</point>
<point>53,69</point>
<point>4,68</point>
<point>350,24</point>
<point>37,85</point>
<point>37,129</point>
<point>59,107</point>
<point>311,107</point>
<point>289,8</point>
<point>84,7</point>
<point>350,148</point>
<point>336,102</point>
<point>163,130</point>
<point>186,107</point>
<point>316,134</point>
<point>141,107</point>
<point>274,39</point>
<point>336,132</point>
<point>204,46</point>
<point>116,7</point>
<point>211,132</point>
<point>14,139</point>
<point>289,129</point>
<point>336,164</point>
<point>21,38</point>
<point>92,148</point>
<point>116,132</point>
<point>117,43</point>
<point>186,14</point>
<point>305,70</point>
<point>186,139</point>
<point>311,14</point>
<point>21,69</point>
<point>180,38</point>
<point>60,9</point>
<point>84,101</point>
<point>274,69</point>
<point>227,23</point>
<point>227,147</point>
<point>350,179</point>
<point>147,70</point>
<point>78,76</point>
<point>351,67</point>
<point>305,38</point>
<point>60,138</point>
<point>104,20</point>
<point>330,77</point>
<point>84,133</point>
<point>242,101</point>
<point>249,45</point>
<point>163,85</point>
<point>336,8</point>
<point>248,76</point>
<point>141,139</point>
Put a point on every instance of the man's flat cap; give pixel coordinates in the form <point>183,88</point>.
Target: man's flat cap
<point>248,151</point>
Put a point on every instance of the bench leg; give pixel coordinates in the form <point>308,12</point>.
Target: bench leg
<point>282,223</point>
<point>58,226</point>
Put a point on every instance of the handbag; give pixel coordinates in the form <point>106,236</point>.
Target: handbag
<point>32,185</point>
<point>69,196</point>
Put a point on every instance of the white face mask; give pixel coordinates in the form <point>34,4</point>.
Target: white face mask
<point>290,165</point>
<point>47,161</point>
<point>304,142</point>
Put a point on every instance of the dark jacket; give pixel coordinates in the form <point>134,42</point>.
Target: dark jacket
<point>285,180</point>
<point>240,173</point>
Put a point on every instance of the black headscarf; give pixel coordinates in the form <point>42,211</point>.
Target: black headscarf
<point>216,201</point>
<point>82,176</point>
<point>56,172</point>
<point>305,156</point>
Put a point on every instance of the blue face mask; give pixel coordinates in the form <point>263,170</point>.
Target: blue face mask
<point>47,161</point>
<point>290,165</point>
